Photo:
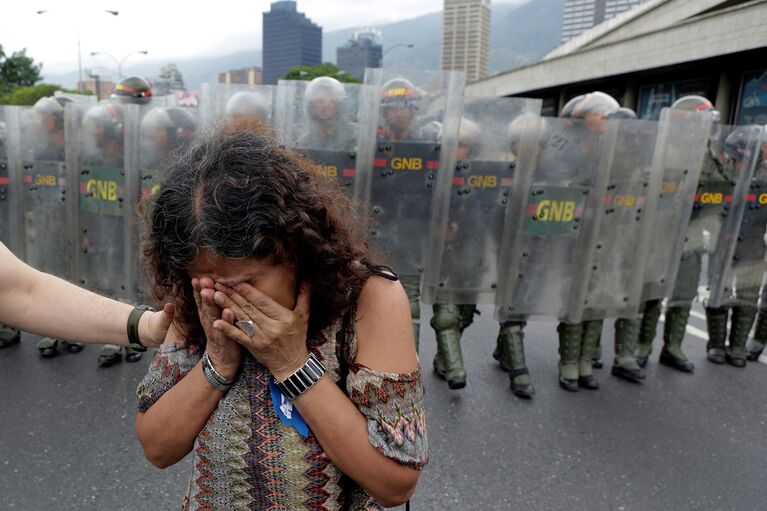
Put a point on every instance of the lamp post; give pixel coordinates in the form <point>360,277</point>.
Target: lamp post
<point>120,62</point>
<point>407,45</point>
<point>79,53</point>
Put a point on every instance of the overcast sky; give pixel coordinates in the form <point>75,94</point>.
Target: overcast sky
<point>171,28</point>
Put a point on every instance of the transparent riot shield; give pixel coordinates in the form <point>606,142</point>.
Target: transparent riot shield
<point>552,222</point>
<point>619,255</point>
<point>47,223</point>
<point>682,141</point>
<point>417,116</point>
<point>5,182</point>
<point>163,132</point>
<point>103,149</point>
<point>227,102</point>
<point>323,119</point>
<point>470,200</point>
<point>736,268</point>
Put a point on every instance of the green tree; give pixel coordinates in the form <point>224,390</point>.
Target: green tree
<point>30,95</point>
<point>325,69</point>
<point>18,70</point>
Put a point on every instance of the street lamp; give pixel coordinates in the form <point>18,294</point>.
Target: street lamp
<point>79,53</point>
<point>120,62</point>
<point>407,45</point>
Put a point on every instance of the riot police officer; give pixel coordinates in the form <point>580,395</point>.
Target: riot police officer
<point>8,335</point>
<point>450,320</point>
<point>400,100</point>
<point>50,116</point>
<point>743,315</point>
<point>324,101</point>
<point>105,124</point>
<point>759,341</point>
<point>164,130</point>
<point>510,349</point>
<point>578,342</point>
<point>686,285</point>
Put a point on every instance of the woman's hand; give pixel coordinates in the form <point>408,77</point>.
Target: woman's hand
<point>224,353</point>
<point>153,326</point>
<point>279,339</point>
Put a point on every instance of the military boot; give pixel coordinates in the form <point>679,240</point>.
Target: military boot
<point>647,331</point>
<point>625,364</point>
<point>742,320</point>
<point>132,355</point>
<point>8,336</point>
<point>592,331</point>
<point>716,323</point>
<point>412,285</point>
<point>569,355</point>
<point>511,354</point>
<point>673,334</point>
<point>448,362</point>
<point>109,355</point>
<point>759,341</point>
<point>596,361</point>
<point>47,347</point>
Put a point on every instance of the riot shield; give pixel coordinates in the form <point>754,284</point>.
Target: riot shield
<point>5,182</point>
<point>682,141</point>
<point>417,117</point>
<point>47,223</point>
<point>736,268</point>
<point>226,102</point>
<point>103,149</point>
<point>470,200</point>
<point>618,258</point>
<point>323,119</point>
<point>163,132</point>
<point>552,222</point>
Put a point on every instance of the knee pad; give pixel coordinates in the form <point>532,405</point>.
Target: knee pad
<point>446,317</point>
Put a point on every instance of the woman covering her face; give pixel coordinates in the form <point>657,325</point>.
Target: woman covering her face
<point>261,259</point>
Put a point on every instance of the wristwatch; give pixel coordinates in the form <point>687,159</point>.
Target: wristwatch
<point>303,379</point>
<point>133,319</point>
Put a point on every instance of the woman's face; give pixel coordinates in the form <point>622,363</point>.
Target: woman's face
<point>278,282</point>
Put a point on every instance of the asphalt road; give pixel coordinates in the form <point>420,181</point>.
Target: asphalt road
<point>676,442</point>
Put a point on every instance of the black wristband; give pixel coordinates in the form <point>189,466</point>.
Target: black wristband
<point>133,338</point>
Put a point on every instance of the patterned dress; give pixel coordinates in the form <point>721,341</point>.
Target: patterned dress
<point>245,458</point>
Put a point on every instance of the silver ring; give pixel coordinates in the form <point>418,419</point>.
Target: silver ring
<point>247,327</point>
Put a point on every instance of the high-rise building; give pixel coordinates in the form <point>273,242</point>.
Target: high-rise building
<point>466,37</point>
<point>170,80</point>
<point>246,76</point>
<point>581,15</point>
<point>290,39</point>
<point>363,50</point>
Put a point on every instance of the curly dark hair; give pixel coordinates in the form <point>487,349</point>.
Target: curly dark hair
<point>237,193</point>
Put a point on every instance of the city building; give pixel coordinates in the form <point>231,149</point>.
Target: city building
<point>100,87</point>
<point>245,76</point>
<point>289,39</point>
<point>364,49</point>
<point>580,15</point>
<point>648,57</point>
<point>169,81</point>
<point>466,37</point>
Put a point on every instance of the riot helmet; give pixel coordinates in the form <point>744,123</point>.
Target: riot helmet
<point>469,140</point>
<point>323,99</point>
<point>248,105</point>
<point>51,112</point>
<point>567,110</point>
<point>528,127</point>
<point>700,104</point>
<point>103,126</point>
<point>736,145</point>
<point>134,90</point>
<point>594,109</point>
<point>399,101</point>
<point>623,113</point>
